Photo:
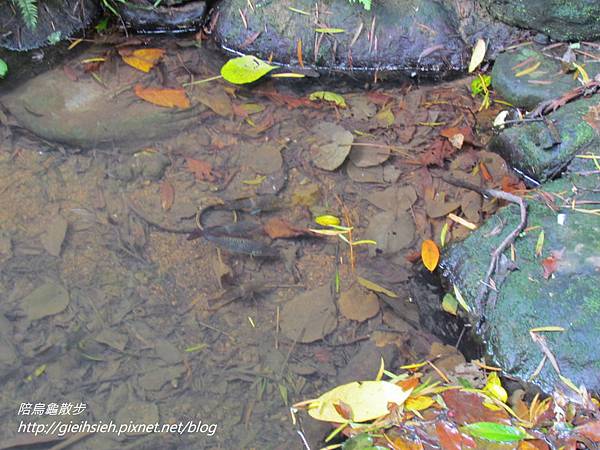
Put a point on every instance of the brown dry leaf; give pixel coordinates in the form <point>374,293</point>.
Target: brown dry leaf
<point>593,117</point>
<point>169,98</point>
<point>277,228</point>
<point>167,195</point>
<point>202,170</point>
<point>143,59</point>
<point>533,444</point>
<point>358,303</point>
<point>590,430</point>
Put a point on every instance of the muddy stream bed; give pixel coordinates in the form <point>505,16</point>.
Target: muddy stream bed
<point>105,305</point>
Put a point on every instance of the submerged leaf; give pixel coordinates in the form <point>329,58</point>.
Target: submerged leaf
<point>3,68</point>
<point>245,69</point>
<point>169,98</point>
<point>328,96</point>
<point>142,59</point>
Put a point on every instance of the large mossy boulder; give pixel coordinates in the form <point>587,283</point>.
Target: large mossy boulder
<point>543,149</point>
<point>541,292</point>
<point>514,80</point>
<point>414,37</point>
<point>572,20</point>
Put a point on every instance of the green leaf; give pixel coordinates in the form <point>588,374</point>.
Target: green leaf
<point>450,304</point>
<point>477,86</point>
<point>330,30</point>
<point>245,69</point>
<point>495,432</point>
<point>29,12</point>
<point>54,37</point>
<point>328,96</point>
<point>3,68</point>
<point>102,25</point>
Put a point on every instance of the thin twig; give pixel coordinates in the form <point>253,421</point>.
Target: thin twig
<point>508,240</point>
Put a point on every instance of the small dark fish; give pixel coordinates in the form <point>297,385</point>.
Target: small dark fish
<point>242,245</point>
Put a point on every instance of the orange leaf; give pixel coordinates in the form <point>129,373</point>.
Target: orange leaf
<point>167,195</point>
<point>450,437</point>
<point>169,98</point>
<point>430,254</point>
<point>534,444</point>
<point>485,173</point>
<point>590,430</point>
<point>142,59</point>
<point>202,170</point>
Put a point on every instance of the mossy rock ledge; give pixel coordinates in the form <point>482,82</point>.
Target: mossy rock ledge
<point>526,299</point>
<point>407,37</point>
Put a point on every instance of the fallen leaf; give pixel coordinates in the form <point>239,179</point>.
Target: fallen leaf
<point>478,55</point>
<point>450,437</point>
<point>368,399</point>
<point>550,264</point>
<point>495,432</point>
<point>245,69</point>
<point>169,98</point>
<point>202,170</point>
<point>358,304</point>
<point>143,59</point>
<point>430,254</point>
<point>590,430</point>
<point>328,96</point>
<point>167,195</point>
<point>334,143</point>
<point>277,228</point>
<point>375,287</point>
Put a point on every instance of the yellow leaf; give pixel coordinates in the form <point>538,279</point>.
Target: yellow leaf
<point>327,220</point>
<point>430,254</point>
<point>169,98</point>
<point>551,328</point>
<point>529,70</point>
<point>493,388</point>
<point>372,286</point>
<point>142,59</point>
<point>419,403</point>
<point>478,55</point>
<point>368,400</point>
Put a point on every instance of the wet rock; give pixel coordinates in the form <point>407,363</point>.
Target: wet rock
<point>543,151</point>
<point>138,412</point>
<point>169,16</point>
<point>558,288</point>
<point>85,114</point>
<point>410,36</point>
<point>57,20</point>
<point>548,81</point>
<point>569,21</point>
<point>54,236</point>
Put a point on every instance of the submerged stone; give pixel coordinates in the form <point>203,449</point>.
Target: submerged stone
<point>572,20</point>
<point>85,114</point>
<point>557,288</point>
<point>410,36</point>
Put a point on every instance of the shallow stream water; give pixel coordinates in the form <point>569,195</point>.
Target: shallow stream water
<point>105,303</point>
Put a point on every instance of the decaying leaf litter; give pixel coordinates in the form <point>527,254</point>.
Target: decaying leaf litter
<point>244,320</point>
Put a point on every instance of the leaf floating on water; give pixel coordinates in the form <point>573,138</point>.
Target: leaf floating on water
<point>478,55</point>
<point>430,254</point>
<point>550,328</point>
<point>245,69</point>
<point>327,220</point>
<point>169,98</point>
<point>328,96</point>
<point>143,59</point>
<point>368,400</point>
<point>495,432</point>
